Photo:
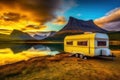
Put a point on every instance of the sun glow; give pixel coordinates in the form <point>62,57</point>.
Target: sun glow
<point>16,18</point>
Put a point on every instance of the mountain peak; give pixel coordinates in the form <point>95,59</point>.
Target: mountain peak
<point>71,18</point>
<point>15,31</point>
<point>19,35</point>
<point>82,25</point>
<point>79,20</point>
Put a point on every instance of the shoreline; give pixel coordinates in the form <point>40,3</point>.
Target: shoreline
<point>112,51</point>
<point>112,42</point>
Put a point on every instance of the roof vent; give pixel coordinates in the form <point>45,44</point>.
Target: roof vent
<point>87,32</point>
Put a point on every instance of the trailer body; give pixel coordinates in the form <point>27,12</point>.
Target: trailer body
<point>88,44</point>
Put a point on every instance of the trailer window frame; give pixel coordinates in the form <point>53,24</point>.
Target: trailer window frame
<point>69,42</point>
<point>82,43</point>
<point>101,43</point>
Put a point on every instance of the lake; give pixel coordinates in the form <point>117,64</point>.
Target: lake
<point>10,53</point>
<point>52,49</point>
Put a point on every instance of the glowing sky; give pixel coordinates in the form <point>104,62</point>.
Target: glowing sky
<point>47,15</point>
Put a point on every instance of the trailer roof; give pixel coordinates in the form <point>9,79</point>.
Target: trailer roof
<point>87,36</point>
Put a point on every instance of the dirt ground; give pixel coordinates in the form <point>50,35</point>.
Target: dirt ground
<point>63,67</point>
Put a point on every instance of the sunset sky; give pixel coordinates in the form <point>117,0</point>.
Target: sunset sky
<point>47,15</point>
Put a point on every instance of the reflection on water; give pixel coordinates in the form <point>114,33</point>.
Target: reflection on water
<point>10,53</point>
<point>16,52</point>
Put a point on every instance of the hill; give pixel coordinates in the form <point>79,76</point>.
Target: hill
<point>60,37</point>
<point>16,35</point>
<point>114,35</point>
<point>19,35</point>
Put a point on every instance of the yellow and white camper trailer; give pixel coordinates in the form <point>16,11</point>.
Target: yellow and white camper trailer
<point>88,44</point>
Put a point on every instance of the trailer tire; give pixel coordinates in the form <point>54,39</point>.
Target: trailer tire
<point>81,56</point>
<point>85,57</point>
<point>77,55</point>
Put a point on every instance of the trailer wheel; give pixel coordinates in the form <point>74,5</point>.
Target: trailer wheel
<point>76,55</point>
<point>81,56</point>
<point>113,57</point>
<point>85,57</point>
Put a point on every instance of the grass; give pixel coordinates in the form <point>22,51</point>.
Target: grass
<point>63,67</point>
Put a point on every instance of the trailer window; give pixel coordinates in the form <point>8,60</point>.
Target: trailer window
<point>69,42</point>
<point>101,43</point>
<point>82,43</point>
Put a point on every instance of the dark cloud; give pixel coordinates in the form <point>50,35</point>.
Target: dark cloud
<point>42,10</point>
<point>32,26</point>
<point>11,16</point>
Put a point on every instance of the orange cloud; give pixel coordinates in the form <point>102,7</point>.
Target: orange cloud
<point>60,20</point>
<point>42,10</point>
<point>112,16</point>
<point>17,14</point>
<point>34,27</point>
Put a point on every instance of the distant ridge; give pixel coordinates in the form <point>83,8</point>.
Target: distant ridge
<point>43,35</point>
<point>81,26</point>
<point>19,35</point>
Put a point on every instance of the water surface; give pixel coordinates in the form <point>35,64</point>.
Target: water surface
<point>16,52</point>
<point>10,53</point>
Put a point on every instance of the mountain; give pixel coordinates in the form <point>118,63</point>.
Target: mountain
<point>15,35</point>
<point>52,33</point>
<point>81,26</point>
<point>42,35</point>
<point>19,35</point>
<point>75,26</point>
<point>112,26</point>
